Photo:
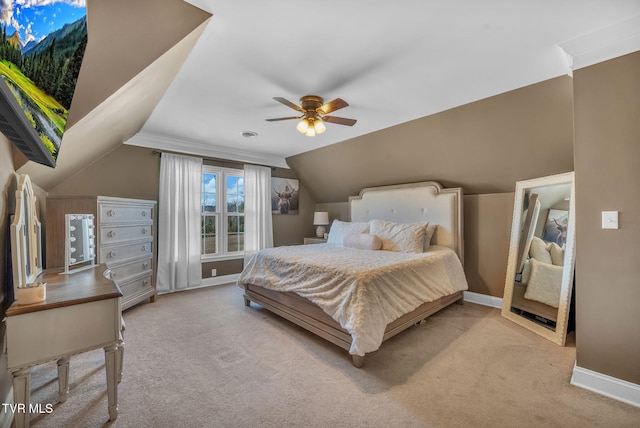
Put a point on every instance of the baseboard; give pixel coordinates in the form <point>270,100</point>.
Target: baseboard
<point>483,299</point>
<point>219,280</point>
<point>6,418</point>
<point>608,386</point>
<point>208,282</point>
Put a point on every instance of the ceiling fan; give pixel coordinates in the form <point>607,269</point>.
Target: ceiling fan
<point>314,114</point>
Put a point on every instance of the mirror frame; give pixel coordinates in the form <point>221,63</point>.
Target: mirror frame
<point>26,237</point>
<point>560,334</point>
<point>88,234</point>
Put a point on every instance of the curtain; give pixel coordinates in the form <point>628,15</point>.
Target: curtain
<point>179,265</point>
<point>258,229</point>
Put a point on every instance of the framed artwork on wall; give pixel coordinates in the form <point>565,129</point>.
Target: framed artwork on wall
<point>284,196</point>
<point>555,228</point>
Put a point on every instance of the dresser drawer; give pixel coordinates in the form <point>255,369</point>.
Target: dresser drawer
<point>130,288</point>
<point>115,253</point>
<point>124,271</point>
<point>114,213</point>
<point>115,234</point>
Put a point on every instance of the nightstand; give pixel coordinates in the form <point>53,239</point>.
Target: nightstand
<point>314,240</point>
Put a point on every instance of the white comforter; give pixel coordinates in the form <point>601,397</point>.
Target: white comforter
<point>362,290</point>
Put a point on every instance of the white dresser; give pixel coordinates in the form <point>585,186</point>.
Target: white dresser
<point>125,240</point>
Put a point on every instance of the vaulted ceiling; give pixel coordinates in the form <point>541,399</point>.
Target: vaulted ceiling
<point>192,77</point>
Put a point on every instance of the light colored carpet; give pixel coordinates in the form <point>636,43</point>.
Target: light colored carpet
<point>202,359</point>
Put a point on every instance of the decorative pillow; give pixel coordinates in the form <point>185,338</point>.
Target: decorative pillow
<point>362,241</point>
<point>557,254</point>
<point>428,235</point>
<point>341,228</point>
<point>538,250</point>
<point>404,238</point>
<point>544,283</point>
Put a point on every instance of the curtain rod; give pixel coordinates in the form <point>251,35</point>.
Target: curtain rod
<point>223,161</point>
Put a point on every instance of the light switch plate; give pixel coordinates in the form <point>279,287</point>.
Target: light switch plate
<point>609,219</point>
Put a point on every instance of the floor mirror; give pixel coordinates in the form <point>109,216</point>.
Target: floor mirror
<point>540,267</point>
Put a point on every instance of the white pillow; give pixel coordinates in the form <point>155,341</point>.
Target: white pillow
<point>362,241</point>
<point>538,250</point>
<point>341,228</point>
<point>428,235</point>
<point>544,283</point>
<point>557,254</point>
<point>404,238</point>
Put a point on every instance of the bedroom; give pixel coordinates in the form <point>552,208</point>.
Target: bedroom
<point>605,344</point>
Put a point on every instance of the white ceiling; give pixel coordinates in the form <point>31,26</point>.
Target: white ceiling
<point>391,61</point>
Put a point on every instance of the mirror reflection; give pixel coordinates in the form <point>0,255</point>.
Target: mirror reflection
<point>80,241</point>
<point>540,270</point>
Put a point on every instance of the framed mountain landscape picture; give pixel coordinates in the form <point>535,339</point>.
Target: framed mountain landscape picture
<point>42,44</point>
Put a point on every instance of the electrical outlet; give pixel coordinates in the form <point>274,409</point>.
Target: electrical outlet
<point>214,272</point>
<point>609,219</point>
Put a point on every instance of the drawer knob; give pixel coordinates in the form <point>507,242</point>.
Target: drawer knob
<point>144,213</point>
<point>144,230</point>
<point>145,265</point>
<point>145,282</point>
<point>111,234</point>
<point>144,248</point>
<point>111,254</point>
<point>111,213</point>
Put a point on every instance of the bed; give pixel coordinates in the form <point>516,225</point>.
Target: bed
<point>357,297</point>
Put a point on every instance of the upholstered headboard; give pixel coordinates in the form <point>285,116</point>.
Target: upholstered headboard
<point>412,203</point>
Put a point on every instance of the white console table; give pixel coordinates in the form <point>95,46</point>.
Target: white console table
<point>82,312</point>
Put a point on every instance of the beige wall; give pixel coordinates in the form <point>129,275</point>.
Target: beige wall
<point>127,172</point>
<point>607,158</point>
<point>487,231</point>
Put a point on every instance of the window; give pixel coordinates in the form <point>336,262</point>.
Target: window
<point>222,212</point>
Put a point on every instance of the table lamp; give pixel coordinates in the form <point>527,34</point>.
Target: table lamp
<point>320,219</point>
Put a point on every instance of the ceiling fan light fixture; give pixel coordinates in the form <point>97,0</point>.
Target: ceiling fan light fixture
<point>319,126</point>
<point>303,125</point>
<point>311,131</point>
<point>314,111</point>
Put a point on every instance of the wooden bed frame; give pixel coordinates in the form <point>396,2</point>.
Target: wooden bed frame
<point>406,203</point>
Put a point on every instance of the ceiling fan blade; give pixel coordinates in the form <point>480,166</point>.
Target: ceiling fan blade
<point>283,118</point>
<point>334,105</point>
<point>339,120</point>
<point>288,104</point>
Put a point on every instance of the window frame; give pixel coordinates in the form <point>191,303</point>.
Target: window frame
<point>221,214</point>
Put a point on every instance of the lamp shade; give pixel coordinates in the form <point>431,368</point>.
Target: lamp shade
<point>320,218</point>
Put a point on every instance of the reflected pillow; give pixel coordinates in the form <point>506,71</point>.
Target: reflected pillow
<point>557,254</point>
<point>538,250</point>
<point>362,241</point>
<point>404,238</point>
<point>339,229</point>
<point>544,283</point>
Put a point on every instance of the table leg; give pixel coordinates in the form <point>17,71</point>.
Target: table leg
<point>22,397</point>
<point>63,378</point>
<point>110,359</point>
<point>120,358</point>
